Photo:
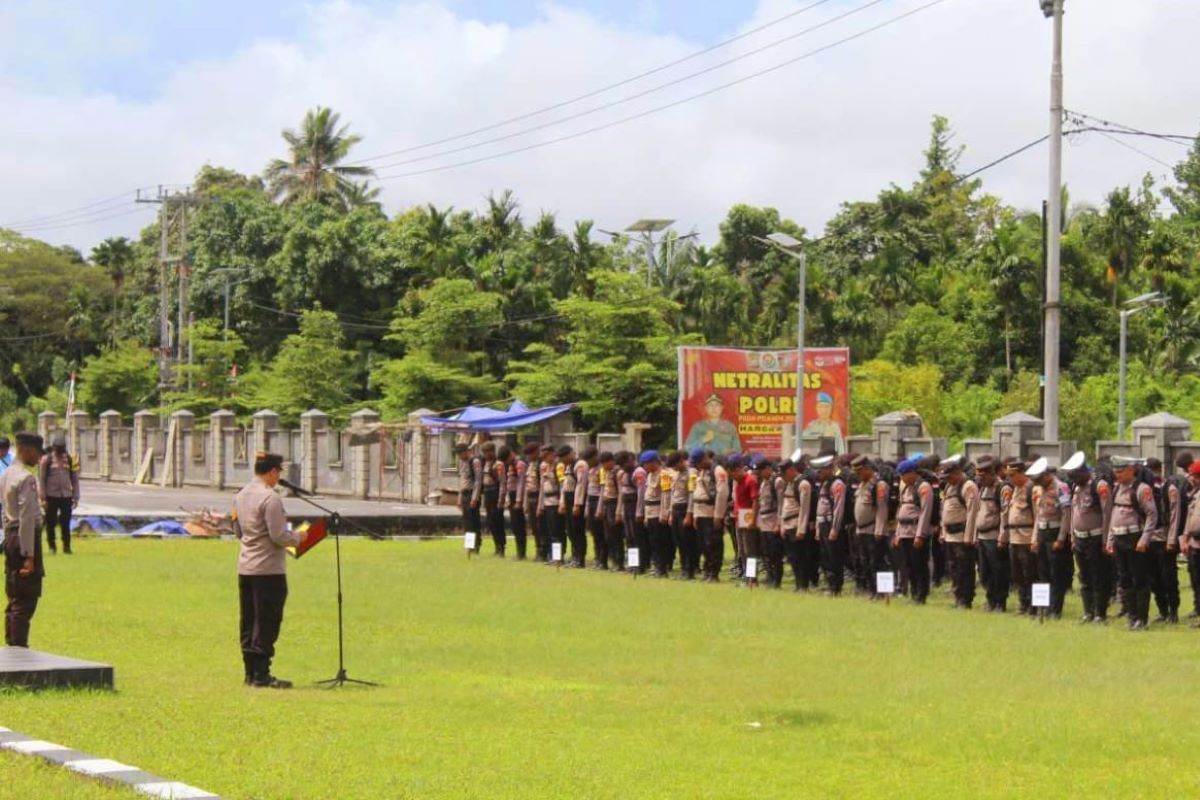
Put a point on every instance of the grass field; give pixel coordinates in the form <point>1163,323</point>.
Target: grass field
<point>515,680</point>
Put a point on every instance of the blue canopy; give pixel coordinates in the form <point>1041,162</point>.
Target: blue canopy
<point>478,418</point>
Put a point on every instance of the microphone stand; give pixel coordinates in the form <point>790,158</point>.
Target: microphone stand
<point>335,525</point>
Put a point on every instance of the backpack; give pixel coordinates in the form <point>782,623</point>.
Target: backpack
<point>935,516</point>
<point>1143,475</point>
<point>886,472</point>
<point>1182,489</point>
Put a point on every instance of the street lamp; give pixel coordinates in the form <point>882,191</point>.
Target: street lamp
<point>1135,305</point>
<point>647,228</point>
<point>790,245</point>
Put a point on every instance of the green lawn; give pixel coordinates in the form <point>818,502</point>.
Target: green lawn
<point>514,680</point>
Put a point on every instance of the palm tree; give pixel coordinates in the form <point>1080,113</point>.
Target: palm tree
<point>313,171</point>
<point>114,254</point>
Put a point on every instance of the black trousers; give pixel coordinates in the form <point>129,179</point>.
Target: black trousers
<point>595,524</point>
<point>916,562</point>
<point>516,522</point>
<point>495,518</point>
<point>471,519</point>
<point>1053,568</point>
<point>994,571</point>
<point>865,562</point>
<point>58,515</point>
<point>1095,575</point>
<point>1023,569</point>
<point>661,548</point>
<point>938,552</point>
<point>579,535</point>
<point>1193,561</point>
<point>712,538</point>
<point>21,591</point>
<point>1164,579</point>
<point>262,600</point>
<point>614,535</point>
<point>833,558</point>
<point>533,526</point>
<point>773,546</point>
<point>687,541</point>
<point>962,556</point>
<point>806,560</point>
<point>1133,571</point>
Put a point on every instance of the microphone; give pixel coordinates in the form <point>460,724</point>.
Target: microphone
<point>285,483</point>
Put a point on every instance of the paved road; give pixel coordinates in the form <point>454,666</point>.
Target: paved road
<point>102,498</point>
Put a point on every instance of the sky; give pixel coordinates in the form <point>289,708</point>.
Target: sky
<point>102,98</point>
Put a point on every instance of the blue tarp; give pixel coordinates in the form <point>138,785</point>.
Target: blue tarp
<point>478,418</point>
<point>97,524</point>
<point>163,527</point>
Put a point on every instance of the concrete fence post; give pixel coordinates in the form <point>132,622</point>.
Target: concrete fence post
<point>185,422</point>
<point>263,422</point>
<point>363,421</point>
<point>109,421</point>
<point>219,422</point>
<point>47,423</point>
<point>76,421</point>
<point>312,424</point>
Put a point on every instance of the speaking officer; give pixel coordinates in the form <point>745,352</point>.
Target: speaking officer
<point>262,569</point>
<point>913,528</point>
<point>1133,521</point>
<point>960,510</point>
<point>23,570</point>
<point>1091,505</point>
<point>993,559</point>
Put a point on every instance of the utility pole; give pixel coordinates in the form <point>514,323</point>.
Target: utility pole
<point>173,214</point>
<point>1054,10</point>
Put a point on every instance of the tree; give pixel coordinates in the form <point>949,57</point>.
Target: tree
<point>115,254</point>
<point>123,378</point>
<point>312,370</point>
<point>209,383</point>
<point>313,170</point>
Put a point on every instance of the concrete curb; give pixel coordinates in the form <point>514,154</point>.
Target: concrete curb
<point>101,769</point>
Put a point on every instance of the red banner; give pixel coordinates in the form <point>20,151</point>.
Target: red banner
<point>737,400</point>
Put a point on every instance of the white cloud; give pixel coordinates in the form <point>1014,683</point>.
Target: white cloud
<point>838,126</point>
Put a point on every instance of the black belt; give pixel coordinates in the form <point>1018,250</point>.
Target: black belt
<point>987,530</point>
<point>956,528</point>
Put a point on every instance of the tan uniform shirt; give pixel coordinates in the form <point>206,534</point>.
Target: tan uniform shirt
<point>1017,516</point>
<point>1192,526</point>
<point>770,496</point>
<point>1090,510</point>
<point>1169,532</point>
<point>1052,513</point>
<point>1125,519</point>
<point>985,526</point>
<point>960,507</point>
<point>916,509</point>
<point>871,507</point>
<point>22,508</point>
<point>789,514</point>
<point>262,528</point>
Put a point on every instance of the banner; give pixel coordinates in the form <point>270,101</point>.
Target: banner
<point>737,400</point>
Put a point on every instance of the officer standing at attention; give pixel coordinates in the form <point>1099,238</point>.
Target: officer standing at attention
<point>1164,547</point>
<point>993,559</point>
<point>493,497</point>
<point>650,503</point>
<point>568,479</point>
<point>1191,535</point>
<point>530,489</point>
<point>514,497</point>
<point>23,571</point>
<point>1091,505</point>
<point>913,528</point>
<point>685,536</point>
<point>549,495</point>
<point>59,486</point>
<point>870,524</point>
<point>470,488</point>
<point>1133,521</point>
<point>960,511</point>
<point>1052,525</point>
<point>262,569</point>
<point>766,522</point>
<point>790,513</point>
<point>583,467</point>
<point>706,512</point>
<point>831,514</point>
<point>1016,532</point>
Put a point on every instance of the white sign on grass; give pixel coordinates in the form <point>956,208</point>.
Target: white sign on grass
<point>752,568</point>
<point>885,582</point>
<point>556,551</point>
<point>1041,595</point>
<point>469,541</point>
<point>634,559</point>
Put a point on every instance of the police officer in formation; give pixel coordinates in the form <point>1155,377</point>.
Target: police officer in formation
<point>1002,526</point>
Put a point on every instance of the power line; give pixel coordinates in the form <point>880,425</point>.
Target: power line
<point>1128,130</point>
<point>601,90</point>
<point>84,210</point>
<point>666,106</point>
<point>637,95</point>
<point>1003,158</point>
<point>88,221</point>
<point>1137,150</point>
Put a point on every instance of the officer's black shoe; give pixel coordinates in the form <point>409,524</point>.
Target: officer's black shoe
<point>53,549</point>
<point>1160,619</point>
<point>1136,625</point>
<point>1100,620</point>
<point>1172,619</point>
<point>1195,613</point>
<point>271,682</point>
<point>1086,619</point>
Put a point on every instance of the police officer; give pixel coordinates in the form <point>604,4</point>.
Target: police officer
<point>23,569</point>
<point>831,515</point>
<point>627,492</point>
<point>960,512</point>
<point>530,489</point>
<point>870,524</point>
<point>470,490</point>
<point>1052,524</point>
<point>678,474</point>
<point>582,468</point>
<point>1091,505</point>
<point>514,497</point>
<point>745,499</point>
<point>993,557</point>
<point>767,521</point>
<point>564,466</point>
<point>706,511</point>
<point>913,528</point>
<point>1016,532</point>
<point>1164,547</point>
<point>262,569</point>
<point>549,497</point>
<point>493,482</point>
<point>610,497</point>
<point>1132,523</point>
<point>650,505</point>
<point>1191,535</point>
<point>789,518</point>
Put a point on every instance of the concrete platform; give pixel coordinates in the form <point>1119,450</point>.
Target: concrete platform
<point>33,669</point>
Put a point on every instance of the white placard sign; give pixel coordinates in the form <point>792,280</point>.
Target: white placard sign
<point>556,551</point>
<point>1041,595</point>
<point>752,568</point>
<point>469,541</point>
<point>885,583</point>
<point>633,558</point>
